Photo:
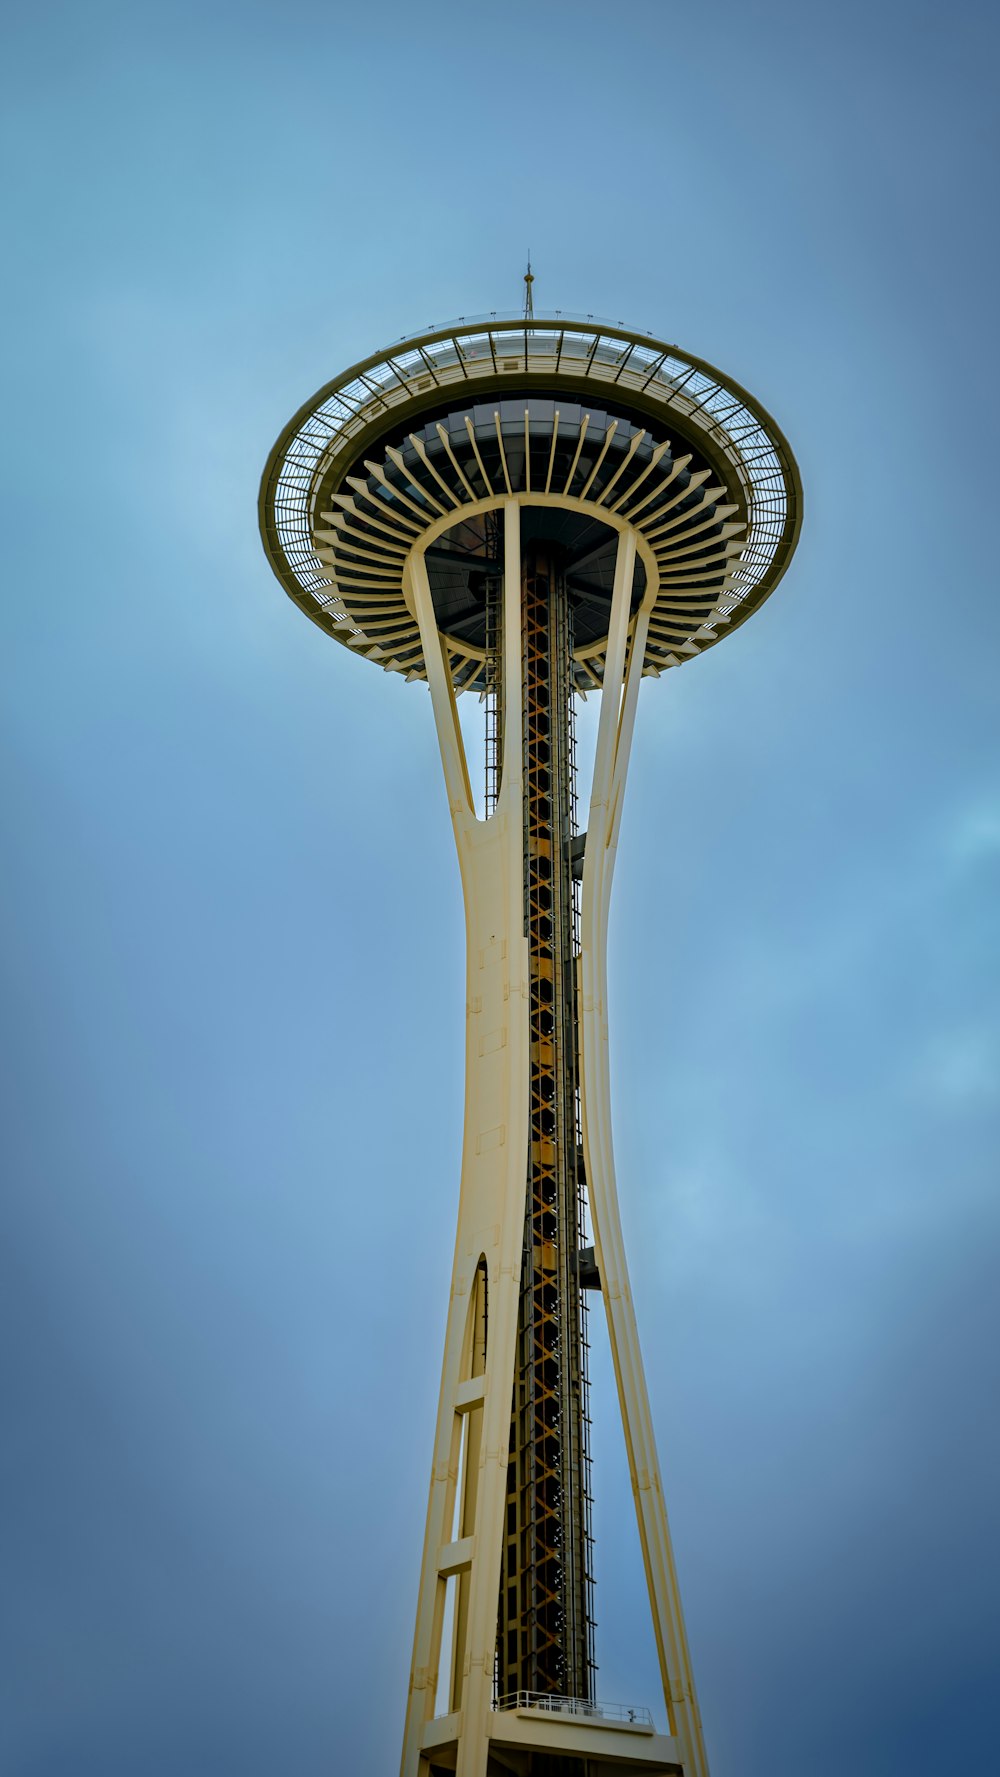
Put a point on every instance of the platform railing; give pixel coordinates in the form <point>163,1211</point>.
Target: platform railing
<point>633,1714</point>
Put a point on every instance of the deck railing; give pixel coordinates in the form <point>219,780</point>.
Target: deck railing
<point>631,1713</point>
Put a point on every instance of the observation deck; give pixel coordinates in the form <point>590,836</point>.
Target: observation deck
<point>603,427</point>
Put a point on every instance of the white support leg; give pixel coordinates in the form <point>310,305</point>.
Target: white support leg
<point>491,1211</point>
<point>618,705</point>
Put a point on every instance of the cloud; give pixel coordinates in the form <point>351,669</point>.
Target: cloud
<point>960,1069</point>
<point>974,833</point>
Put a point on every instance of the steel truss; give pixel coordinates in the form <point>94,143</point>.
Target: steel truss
<point>545,1635</point>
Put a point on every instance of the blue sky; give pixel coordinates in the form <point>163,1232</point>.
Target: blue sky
<point>232,1150</point>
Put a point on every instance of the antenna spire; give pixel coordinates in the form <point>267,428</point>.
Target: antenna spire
<point>529,278</point>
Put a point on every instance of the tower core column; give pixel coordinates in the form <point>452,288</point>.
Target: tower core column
<point>545,1632</point>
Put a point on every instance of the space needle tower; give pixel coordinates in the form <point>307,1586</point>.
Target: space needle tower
<point>530,509</point>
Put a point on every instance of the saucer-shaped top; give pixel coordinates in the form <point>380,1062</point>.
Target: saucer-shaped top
<point>591,428</point>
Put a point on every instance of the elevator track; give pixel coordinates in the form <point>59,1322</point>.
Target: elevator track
<point>545,1641</point>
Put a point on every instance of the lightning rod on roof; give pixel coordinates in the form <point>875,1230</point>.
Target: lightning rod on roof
<point>529,306</point>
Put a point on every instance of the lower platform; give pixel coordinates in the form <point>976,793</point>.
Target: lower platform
<point>546,1741</point>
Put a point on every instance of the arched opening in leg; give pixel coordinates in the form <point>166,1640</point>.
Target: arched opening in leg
<point>474,1349</point>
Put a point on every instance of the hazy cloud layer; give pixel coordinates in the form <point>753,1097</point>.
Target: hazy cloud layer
<point>232,1148</point>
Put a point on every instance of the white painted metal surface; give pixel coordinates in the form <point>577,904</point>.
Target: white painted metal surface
<point>463,1538</point>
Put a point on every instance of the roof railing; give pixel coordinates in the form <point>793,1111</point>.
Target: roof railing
<point>505,316</point>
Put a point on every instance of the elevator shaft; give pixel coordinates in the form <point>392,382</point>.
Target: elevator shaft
<point>545,1621</point>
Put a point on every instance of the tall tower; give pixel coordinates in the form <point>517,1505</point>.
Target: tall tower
<point>532,509</point>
